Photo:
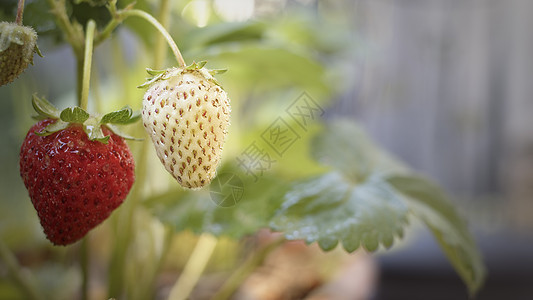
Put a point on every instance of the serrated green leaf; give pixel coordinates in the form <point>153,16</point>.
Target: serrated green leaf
<point>44,108</point>
<point>74,115</point>
<point>53,127</point>
<point>121,117</point>
<point>198,211</point>
<point>428,202</point>
<point>331,209</point>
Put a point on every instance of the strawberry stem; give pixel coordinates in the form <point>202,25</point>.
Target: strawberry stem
<point>20,11</point>
<point>194,268</point>
<point>84,264</point>
<point>87,61</point>
<point>162,30</point>
<point>250,264</point>
<point>160,51</point>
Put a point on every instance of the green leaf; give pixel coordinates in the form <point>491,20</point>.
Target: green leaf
<point>366,202</point>
<point>428,202</point>
<point>264,68</point>
<point>198,210</point>
<point>225,33</point>
<point>44,109</point>
<point>330,208</point>
<point>121,117</point>
<point>345,147</point>
<point>74,115</point>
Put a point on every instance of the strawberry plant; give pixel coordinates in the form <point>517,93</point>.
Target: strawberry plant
<point>275,167</point>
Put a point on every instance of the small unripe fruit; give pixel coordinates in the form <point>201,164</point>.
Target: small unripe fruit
<point>17,45</point>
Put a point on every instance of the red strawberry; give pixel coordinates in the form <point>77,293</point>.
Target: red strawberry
<point>74,183</point>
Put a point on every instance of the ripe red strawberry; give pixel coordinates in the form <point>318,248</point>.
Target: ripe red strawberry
<point>74,183</point>
<point>76,168</point>
<point>17,45</point>
<point>187,114</point>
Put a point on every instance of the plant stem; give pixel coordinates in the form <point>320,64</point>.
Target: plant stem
<point>84,264</point>
<point>73,34</point>
<point>158,26</point>
<point>160,49</point>
<point>87,62</point>
<point>119,16</point>
<point>24,281</point>
<point>238,276</point>
<point>194,268</point>
<point>20,11</point>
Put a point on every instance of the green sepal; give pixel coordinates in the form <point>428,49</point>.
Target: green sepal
<point>44,109</point>
<point>94,131</point>
<point>38,51</point>
<point>156,75</point>
<point>122,134</point>
<point>152,72</point>
<point>121,117</point>
<point>53,128</point>
<point>196,65</point>
<point>74,115</point>
<point>217,71</point>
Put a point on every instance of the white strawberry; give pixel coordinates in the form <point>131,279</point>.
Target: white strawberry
<point>187,114</point>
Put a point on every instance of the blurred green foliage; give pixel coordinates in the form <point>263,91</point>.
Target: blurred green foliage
<point>332,185</point>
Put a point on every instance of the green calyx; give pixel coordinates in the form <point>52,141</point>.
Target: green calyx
<point>156,75</point>
<point>92,125</point>
<point>12,33</point>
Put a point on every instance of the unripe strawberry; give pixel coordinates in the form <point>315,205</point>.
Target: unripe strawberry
<point>17,45</point>
<point>187,115</point>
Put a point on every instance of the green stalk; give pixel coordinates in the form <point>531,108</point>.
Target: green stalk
<point>119,16</point>
<point>238,276</point>
<point>24,281</point>
<point>194,268</point>
<point>20,11</point>
<point>160,49</point>
<point>84,264</point>
<point>162,30</point>
<point>87,62</point>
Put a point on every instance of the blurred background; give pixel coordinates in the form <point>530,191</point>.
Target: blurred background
<point>443,85</point>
